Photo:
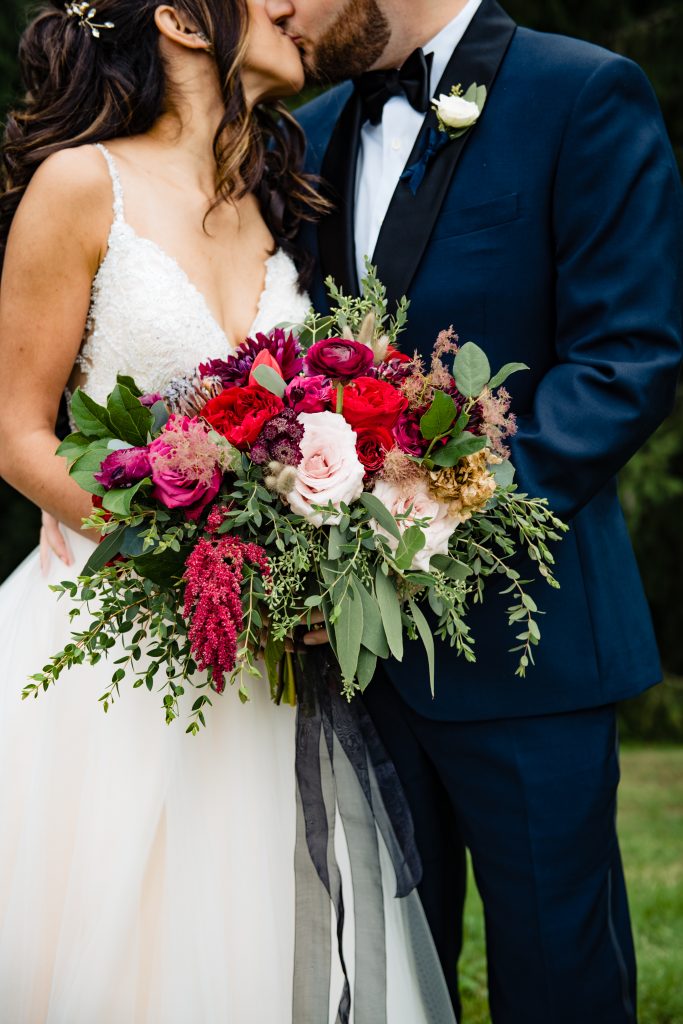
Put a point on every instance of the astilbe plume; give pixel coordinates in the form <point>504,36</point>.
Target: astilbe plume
<point>279,441</point>
<point>234,371</point>
<point>498,422</point>
<point>214,575</point>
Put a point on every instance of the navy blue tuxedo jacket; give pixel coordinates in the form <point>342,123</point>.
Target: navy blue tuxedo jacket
<point>551,233</point>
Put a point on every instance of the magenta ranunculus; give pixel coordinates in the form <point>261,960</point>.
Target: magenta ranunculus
<point>408,435</point>
<point>339,358</point>
<point>309,394</point>
<point>185,466</point>
<point>124,467</point>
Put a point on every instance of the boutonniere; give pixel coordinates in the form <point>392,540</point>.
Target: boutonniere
<point>455,113</point>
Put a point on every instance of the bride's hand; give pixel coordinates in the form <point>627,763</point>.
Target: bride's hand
<point>53,540</point>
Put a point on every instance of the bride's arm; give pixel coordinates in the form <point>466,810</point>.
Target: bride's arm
<point>54,249</point>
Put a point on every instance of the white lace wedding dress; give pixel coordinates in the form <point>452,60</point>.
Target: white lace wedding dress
<point>146,875</point>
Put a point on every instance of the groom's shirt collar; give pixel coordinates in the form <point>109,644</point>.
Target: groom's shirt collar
<point>385,148</point>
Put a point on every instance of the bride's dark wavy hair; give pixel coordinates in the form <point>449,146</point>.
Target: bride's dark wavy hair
<point>82,89</point>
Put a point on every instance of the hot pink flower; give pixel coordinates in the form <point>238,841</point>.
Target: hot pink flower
<point>124,467</point>
<point>185,466</point>
<point>309,394</point>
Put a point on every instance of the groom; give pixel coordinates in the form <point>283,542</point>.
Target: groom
<point>549,232</point>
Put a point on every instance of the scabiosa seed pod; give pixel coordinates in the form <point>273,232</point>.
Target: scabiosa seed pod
<point>279,441</point>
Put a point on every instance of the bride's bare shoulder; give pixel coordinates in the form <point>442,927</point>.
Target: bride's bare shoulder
<point>71,192</point>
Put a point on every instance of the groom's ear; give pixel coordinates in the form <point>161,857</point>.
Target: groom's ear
<point>175,26</point>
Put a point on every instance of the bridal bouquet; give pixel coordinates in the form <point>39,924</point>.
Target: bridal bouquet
<point>318,467</point>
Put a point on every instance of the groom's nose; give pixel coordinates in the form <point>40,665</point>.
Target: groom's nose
<point>280,10</point>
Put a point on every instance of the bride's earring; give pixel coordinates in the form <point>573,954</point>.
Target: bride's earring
<point>205,39</point>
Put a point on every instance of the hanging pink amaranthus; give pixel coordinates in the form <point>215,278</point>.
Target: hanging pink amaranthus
<point>214,574</point>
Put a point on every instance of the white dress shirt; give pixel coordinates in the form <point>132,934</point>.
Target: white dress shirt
<point>385,148</point>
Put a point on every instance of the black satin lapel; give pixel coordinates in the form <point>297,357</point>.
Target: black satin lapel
<point>336,230</point>
<point>411,218</point>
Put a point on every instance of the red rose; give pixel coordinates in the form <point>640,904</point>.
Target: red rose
<point>372,403</point>
<point>240,413</point>
<point>372,444</point>
<point>394,354</point>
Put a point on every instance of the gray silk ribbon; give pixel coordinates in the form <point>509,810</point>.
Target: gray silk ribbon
<point>344,773</point>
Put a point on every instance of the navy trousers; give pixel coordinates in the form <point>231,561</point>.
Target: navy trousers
<point>534,800</point>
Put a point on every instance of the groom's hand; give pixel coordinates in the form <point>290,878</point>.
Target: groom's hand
<point>52,540</point>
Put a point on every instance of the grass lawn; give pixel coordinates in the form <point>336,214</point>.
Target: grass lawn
<point>651,830</point>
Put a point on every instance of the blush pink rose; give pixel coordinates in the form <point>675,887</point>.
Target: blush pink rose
<point>329,471</point>
<point>424,506</point>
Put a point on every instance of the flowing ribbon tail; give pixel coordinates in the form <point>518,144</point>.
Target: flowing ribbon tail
<point>344,775</point>
<point>415,173</point>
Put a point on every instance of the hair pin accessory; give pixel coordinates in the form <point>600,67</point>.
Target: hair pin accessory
<point>86,15</point>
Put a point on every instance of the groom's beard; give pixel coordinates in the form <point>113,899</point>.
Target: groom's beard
<point>355,42</point>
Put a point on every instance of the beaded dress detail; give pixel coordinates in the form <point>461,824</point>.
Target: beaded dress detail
<point>148,320</point>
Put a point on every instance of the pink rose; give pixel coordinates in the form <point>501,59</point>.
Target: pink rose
<point>329,471</point>
<point>338,358</point>
<point>309,394</point>
<point>422,505</point>
<point>185,466</point>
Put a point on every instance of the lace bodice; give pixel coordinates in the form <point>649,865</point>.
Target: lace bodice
<point>148,320</point>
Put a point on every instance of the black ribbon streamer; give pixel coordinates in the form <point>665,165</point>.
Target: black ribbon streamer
<point>343,771</point>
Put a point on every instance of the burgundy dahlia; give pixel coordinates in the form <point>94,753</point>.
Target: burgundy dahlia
<point>279,441</point>
<point>234,371</point>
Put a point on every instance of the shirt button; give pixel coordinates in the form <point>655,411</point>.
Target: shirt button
<point>396,144</point>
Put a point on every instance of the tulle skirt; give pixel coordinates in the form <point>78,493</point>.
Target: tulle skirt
<point>147,875</point>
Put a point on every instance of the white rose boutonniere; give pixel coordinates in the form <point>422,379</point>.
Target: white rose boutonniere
<point>457,112</point>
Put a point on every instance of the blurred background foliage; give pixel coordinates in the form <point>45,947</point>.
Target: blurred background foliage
<point>650,32</point>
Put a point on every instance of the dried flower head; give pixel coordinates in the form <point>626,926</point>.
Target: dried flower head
<point>467,487</point>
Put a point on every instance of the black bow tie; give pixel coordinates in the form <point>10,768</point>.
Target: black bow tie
<point>375,88</point>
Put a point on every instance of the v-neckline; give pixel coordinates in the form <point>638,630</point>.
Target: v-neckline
<point>190,286</point>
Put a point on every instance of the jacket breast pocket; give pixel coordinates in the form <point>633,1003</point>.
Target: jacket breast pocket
<point>464,221</point>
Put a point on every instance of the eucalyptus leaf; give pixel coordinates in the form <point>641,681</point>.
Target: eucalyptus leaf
<point>439,417</point>
<point>107,549</point>
<point>505,372</point>
<point>380,513</point>
<point>367,665</point>
<point>471,370</point>
<point>348,630</point>
<point>504,473</point>
<point>458,448</point>
<point>426,637</point>
<point>335,541</point>
<point>451,567</point>
<point>390,609</point>
<point>412,541</point>
<point>160,416</point>
<point>374,637</point>
<point>269,379</point>
<point>133,543</point>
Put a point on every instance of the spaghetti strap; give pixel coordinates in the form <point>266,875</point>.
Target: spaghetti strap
<point>115,181</point>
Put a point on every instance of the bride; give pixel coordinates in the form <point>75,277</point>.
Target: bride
<point>153,189</point>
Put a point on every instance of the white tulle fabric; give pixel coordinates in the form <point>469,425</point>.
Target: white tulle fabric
<point>146,877</point>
